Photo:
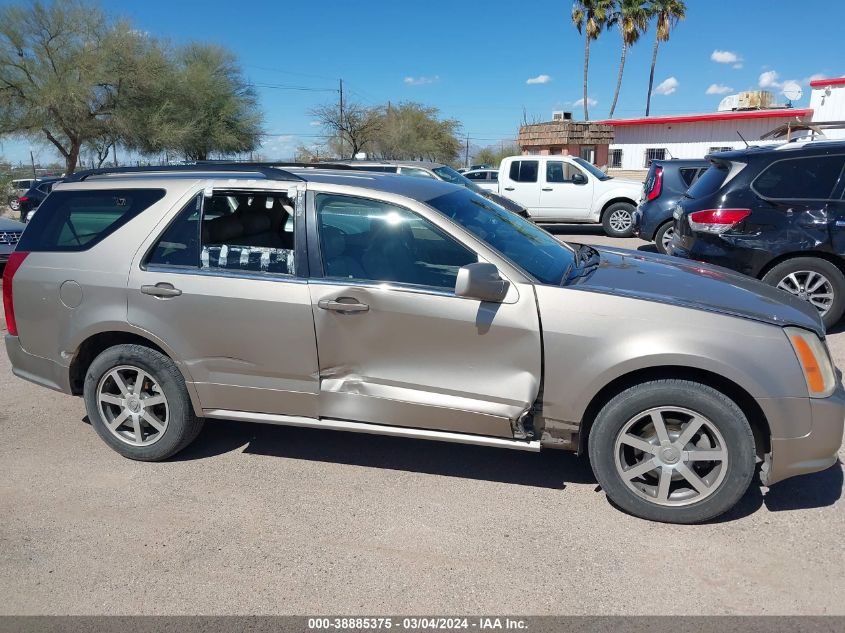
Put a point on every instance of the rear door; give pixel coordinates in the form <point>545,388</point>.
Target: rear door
<point>560,197</point>
<point>519,181</point>
<point>220,287</point>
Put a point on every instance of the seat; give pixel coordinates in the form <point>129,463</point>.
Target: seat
<point>390,256</point>
<point>337,262</point>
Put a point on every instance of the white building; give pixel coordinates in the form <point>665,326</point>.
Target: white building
<point>827,102</point>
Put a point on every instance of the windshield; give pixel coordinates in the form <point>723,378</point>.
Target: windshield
<point>525,244</point>
<point>595,171</point>
<point>450,175</point>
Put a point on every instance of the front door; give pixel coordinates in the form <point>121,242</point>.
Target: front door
<point>396,346</point>
<point>219,288</point>
<point>563,197</point>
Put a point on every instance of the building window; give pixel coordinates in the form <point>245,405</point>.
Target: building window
<point>723,148</point>
<point>588,153</point>
<point>654,153</point>
<point>616,159</point>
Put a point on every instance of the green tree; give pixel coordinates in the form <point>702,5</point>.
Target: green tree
<point>632,17</point>
<point>200,104</point>
<point>493,154</point>
<point>590,17</point>
<point>64,69</point>
<point>667,14</point>
<point>413,131</point>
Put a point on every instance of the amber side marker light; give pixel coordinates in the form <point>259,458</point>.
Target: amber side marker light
<point>815,362</point>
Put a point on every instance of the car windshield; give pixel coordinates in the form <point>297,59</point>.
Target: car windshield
<point>528,246</point>
<point>595,171</point>
<point>450,175</point>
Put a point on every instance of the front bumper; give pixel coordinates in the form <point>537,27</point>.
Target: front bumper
<point>815,450</point>
<point>41,371</point>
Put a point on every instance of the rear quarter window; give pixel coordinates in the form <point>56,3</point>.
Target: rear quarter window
<point>811,178</point>
<point>77,220</point>
<point>710,181</point>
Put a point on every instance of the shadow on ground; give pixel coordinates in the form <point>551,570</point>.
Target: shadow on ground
<point>574,229</point>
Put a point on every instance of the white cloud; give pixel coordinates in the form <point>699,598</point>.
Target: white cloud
<point>668,86</point>
<point>813,77</point>
<point>421,81</point>
<point>725,57</point>
<point>737,66</point>
<point>718,89</point>
<point>539,79</point>
<point>315,123</point>
<point>590,102</point>
<point>769,79</point>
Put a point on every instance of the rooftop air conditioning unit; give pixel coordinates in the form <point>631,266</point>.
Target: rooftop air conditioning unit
<point>756,100</point>
<point>560,115</point>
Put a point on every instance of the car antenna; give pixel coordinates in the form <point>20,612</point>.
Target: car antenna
<point>743,139</point>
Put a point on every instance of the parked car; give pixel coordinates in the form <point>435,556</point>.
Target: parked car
<point>415,308</point>
<point>10,233</point>
<point>487,179</point>
<point>776,213</point>
<point>438,171</point>
<point>34,196</point>
<point>570,189</point>
<point>17,188</point>
<point>665,184</point>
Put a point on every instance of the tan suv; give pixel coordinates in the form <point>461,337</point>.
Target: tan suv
<point>406,306</point>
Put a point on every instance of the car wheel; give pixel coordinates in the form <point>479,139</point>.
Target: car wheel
<point>618,220</point>
<point>674,451</point>
<point>663,237</point>
<point>815,280</point>
<point>14,204</point>
<point>138,403</point>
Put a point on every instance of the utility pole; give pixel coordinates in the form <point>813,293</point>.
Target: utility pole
<point>466,154</point>
<point>340,118</point>
<point>32,160</point>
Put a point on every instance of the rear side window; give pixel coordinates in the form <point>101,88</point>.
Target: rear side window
<point>77,220</point>
<point>710,181</point>
<point>688,175</point>
<point>524,170</point>
<point>800,178</point>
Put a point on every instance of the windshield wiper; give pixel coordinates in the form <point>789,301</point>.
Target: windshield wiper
<point>585,260</point>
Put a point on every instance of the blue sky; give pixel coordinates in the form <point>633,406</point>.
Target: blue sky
<point>472,59</point>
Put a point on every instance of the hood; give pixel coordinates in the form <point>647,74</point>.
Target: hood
<point>11,225</point>
<point>666,279</point>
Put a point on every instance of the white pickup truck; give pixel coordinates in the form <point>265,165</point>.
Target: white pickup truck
<point>570,189</point>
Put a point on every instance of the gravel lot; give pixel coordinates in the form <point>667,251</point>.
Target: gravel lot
<point>255,519</point>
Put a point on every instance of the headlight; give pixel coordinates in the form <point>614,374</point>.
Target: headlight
<point>814,360</point>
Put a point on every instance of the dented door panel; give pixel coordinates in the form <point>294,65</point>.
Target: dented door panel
<point>427,359</point>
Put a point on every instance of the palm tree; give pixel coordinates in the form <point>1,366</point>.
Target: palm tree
<point>667,13</point>
<point>589,17</point>
<point>631,16</point>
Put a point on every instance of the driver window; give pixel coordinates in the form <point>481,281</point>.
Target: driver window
<point>558,171</point>
<point>367,240</point>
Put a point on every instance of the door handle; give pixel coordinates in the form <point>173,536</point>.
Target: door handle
<point>162,290</point>
<point>548,189</point>
<point>338,305</point>
<point>509,188</point>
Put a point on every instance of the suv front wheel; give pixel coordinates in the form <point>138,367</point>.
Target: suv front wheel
<point>138,403</point>
<point>814,280</point>
<point>675,451</point>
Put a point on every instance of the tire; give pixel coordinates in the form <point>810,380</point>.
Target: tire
<point>14,203</point>
<point>724,430</point>
<point>176,424</point>
<point>664,234</point>
<point>803,269</point>
<point>614,222</point>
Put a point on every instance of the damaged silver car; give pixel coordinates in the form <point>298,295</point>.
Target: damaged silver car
<point>402,306</point>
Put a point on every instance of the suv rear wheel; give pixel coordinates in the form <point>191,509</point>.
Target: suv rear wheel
<point>675,451</point>
<point>138,403</point>
<point>618,220</point>
<point>815,280</point>
<point>664,236</point>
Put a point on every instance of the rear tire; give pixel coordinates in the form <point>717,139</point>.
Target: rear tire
<point>618,220</point>
<point>663,237</point>
<point>14,203</point>
<point>669,479</point>
<point>792,274</point>
<point>138,403</point>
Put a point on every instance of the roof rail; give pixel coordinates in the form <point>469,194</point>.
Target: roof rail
<point>268,170</point>
<point>276,164</point>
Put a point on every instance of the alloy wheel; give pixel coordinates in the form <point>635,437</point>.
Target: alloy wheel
<point>14,204</point>
<point>133,406</point>
<point>667,238</point>
<point>671,456</point>
<point>810,286</point>
<point>620,220</point>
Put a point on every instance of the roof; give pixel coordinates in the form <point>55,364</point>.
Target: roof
<point>564,133</point>
<point>366,163</point>
<point>411,186</point>
<point>783,113</point>
<point>823,83</point>
<point>810,147</point>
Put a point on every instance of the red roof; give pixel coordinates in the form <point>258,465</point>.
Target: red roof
<point>784,113</point>
<point>821,83</point>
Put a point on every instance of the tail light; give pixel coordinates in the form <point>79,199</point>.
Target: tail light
<point>717,220</point>
<point>656,185</point>
<point>23,199</point>
<point>15,261</point>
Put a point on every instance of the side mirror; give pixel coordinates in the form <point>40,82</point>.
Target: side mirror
<point>481,281</point>
<point>579,179</point>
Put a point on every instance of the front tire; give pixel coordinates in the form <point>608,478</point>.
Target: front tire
<point>663,237</point>
<point>814,280</point>
<point>674,451</point>
<point>138,403</point>
<point>618,220</point>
